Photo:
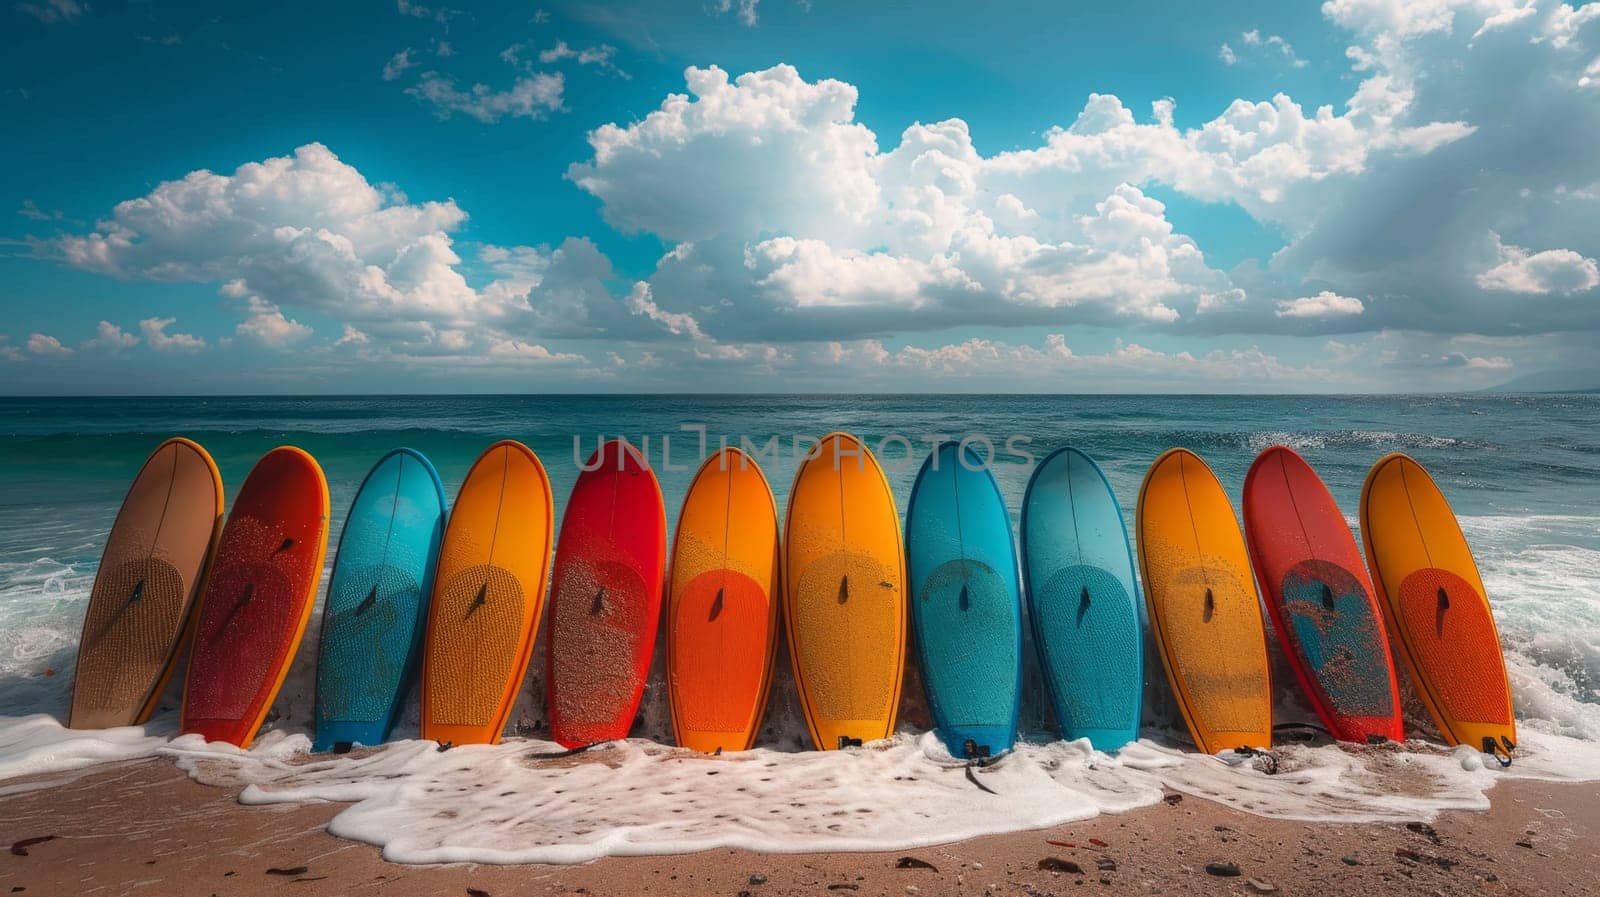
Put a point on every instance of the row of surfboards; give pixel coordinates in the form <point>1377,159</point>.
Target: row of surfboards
<point>455,601</point>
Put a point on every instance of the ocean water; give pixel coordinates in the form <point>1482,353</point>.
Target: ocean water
<point>1522,472</point>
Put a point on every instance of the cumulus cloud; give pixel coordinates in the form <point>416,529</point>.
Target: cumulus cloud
<point>47,346</point>
<point>1323,305</point>
<point>531,96</point>
<point>1547,271</point>
<point>787,210</point>
<point>267,325</point>
<point>111,338</point>
<point>157,337</point>
<point>309,233</point>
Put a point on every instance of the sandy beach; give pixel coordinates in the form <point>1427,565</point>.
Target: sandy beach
<point>145,827</point>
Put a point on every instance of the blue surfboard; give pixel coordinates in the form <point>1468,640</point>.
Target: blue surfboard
<point>966,610</point>
<point>1083,600</point>
<point>373,621</point>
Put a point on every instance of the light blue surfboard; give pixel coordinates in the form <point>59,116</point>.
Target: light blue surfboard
<point>373,620</point>
<point>1083,600</point>
<point>966,610</point>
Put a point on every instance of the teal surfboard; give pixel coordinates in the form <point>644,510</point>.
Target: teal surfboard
<point>1083,600</point>
<point>966,611</point>
<point>375,614</point>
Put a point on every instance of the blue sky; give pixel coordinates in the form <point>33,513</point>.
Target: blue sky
<point>1369,195</point>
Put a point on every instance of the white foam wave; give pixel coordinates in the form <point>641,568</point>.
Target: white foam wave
<point>520,802</point>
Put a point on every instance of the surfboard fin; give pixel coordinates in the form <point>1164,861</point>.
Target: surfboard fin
<point>1501,751</point>
<point>844,588</point>
<point>480,600</point>
<point>367,602</point>
<point>1211,605</point>
<point>287,544</point>
<point>846,741</point>
<point>599,604</point>
<point>1327,597</point>
<point>1444,599</point>
<point>716,605</point>
<point>138,592</point>
<point>965,599</point>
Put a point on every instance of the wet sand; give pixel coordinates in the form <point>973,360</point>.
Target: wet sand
<point>144,828</point>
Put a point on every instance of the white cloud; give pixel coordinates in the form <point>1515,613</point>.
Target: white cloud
<point>1273,46</point>
<point>398,64</point>
<point>9,352</point>
<point>111,338</point>
<point>268,325</point>
<point>1323,305</point>
<point>440,14</point>
<point>531,96</point>
<point>353,337</point>
<point>47,346</point>
<point>787,212</point>
<point>31,211</point>
<point>747,10</point>
<point>1547,271</point>
<point>600,56</point>
<point>156,335</point>
<point>53,11</point>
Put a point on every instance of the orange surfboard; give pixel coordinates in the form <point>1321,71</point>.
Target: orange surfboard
<point>488,595</point>
<point>1436,607</point>
<point>845,594</point>
<point>1205,612</point>
<point>258,597</point>
<point>722,605</point>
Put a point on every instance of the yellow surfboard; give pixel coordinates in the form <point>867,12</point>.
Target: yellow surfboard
<point>487,597</point>
<point>1205,612</point>
<point>844,574</point>
<point>723,595</point>
<point>1436,607</point>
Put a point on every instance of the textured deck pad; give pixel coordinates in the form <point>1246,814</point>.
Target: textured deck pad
<point>603,640</point>
<point>146,588</point>
<point>1331,625</point>
<point>259,597</point>
<point>856,612</point>
<point>1095,643</point>
<point>477,638</point>
<point>1225,680</point>
<point>968,675</point>
<point>135,616</point>
<point>251,611</point>
<point>722,608</point>
<point>1453,639</point>
<point>366,643</point>
<point>605,597</point>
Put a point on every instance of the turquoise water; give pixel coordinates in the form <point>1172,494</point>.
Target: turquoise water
<point>1523,473</point>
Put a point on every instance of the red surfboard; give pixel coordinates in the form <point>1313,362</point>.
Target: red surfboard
<point>258,597</point>
<point>1320,598</point>
<point>605,602</point>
